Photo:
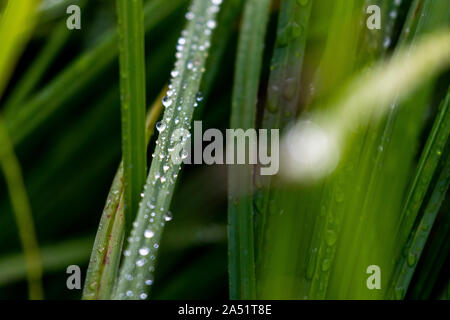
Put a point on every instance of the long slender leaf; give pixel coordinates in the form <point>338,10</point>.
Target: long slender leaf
<point>241,247</point>
<point>425,171</point>
<point>283,94</point>
<point>132,96</point>
<point>136,274</point>
<point>15,29</point>
<point>55,257</point>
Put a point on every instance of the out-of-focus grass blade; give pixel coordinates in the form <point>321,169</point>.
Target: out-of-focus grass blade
<point>433,259</point>
<point>284,83</point>
<point>283,93</point>
<point>136,274</point>
<point>341,45</point>
<point>16,25</point>
<point>241,249</point>
<point>55,257</point>
<point>427,165</point>
<point>413,251</point>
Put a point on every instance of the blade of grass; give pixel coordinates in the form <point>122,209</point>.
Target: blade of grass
<point>241,255</point>
<point>427,165</point>
<point>136,274</point>
<point>283,93</point>
<point>132,96</point>
<point>407,265</point>
<point>341,45</point>
<point>15,29</point>
<point>433,259</point>
<point>14,180</point>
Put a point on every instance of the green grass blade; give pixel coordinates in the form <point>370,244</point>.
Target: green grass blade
<point>283,91</point>
<point>15,30</point>
<point>16,25</point>
<point>136,274</point>
<point>428,163</point>
<point>132,96</point>
<point>341,45</point>
<point>241,249</point>
<point>55,257</point>
<point>19,198</point>
<point>407,265</point>
<point>433,259</point>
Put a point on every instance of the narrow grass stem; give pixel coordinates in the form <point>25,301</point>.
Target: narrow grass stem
<point>15,29</point>
<point>241,249</point>
<point>132,97</point>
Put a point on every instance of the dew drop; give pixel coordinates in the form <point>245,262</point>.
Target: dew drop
<point>211,24</point>
<point>148,282</point>
<point>166,102</point>
<point>144,251</point>
<point>149,234</point>
<point>160,126</point>
<point>140,262</point>
<point>190,15</point>
<point>168,216</point>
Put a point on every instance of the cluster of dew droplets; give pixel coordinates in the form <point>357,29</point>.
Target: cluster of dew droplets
<point>191,52</point>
